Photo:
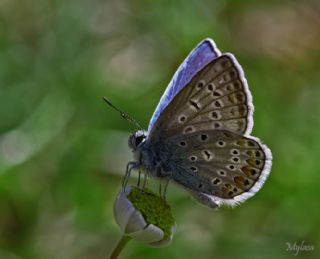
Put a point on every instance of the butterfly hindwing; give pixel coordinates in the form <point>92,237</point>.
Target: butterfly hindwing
<point>218,164</point>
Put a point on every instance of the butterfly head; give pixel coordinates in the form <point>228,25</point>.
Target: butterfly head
<point>137,139</point>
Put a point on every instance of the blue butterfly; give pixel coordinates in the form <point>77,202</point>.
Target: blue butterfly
<point>199,135</point>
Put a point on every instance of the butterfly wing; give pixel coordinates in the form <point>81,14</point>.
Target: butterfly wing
<point>214,107</point>
<point>202,54</point>
<point>217,97</point>
<point>219,166</point>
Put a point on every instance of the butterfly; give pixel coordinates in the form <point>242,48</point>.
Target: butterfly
<point>199,135</point>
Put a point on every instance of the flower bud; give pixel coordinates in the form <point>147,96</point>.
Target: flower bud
<point>144,216</point>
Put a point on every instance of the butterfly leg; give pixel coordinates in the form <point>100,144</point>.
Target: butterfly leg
<point>160,186</point>
<point>130,166</point>
<point>204,199</point>
<point>144,180</point>
<point>165,188</point>
<point>139,178</point>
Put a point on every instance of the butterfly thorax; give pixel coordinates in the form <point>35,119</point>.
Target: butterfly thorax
<point>153,158</point>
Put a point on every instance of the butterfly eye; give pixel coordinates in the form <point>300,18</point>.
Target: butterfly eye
<point>139,140</point>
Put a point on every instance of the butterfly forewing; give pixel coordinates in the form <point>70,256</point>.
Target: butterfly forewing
<point>217,98</point>
<point>199,57</point>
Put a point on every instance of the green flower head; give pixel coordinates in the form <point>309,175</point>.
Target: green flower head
<point>144,216</point>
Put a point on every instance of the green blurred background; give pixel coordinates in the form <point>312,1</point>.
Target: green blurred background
<point>63,151</point>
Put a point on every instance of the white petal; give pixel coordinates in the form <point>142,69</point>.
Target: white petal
<point>161,243</point>
<point>136,222</point>
<point>148,235</point>
<point>122,210</point>
<point>165,242</point>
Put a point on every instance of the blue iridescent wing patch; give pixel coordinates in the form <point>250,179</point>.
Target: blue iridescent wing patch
<point>199,57</point>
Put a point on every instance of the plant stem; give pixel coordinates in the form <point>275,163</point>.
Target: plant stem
<point>121,244</point>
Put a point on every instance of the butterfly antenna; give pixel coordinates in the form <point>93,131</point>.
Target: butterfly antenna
<point>123,114</point>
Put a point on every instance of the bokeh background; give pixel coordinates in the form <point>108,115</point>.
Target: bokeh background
<point>63,151</point>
